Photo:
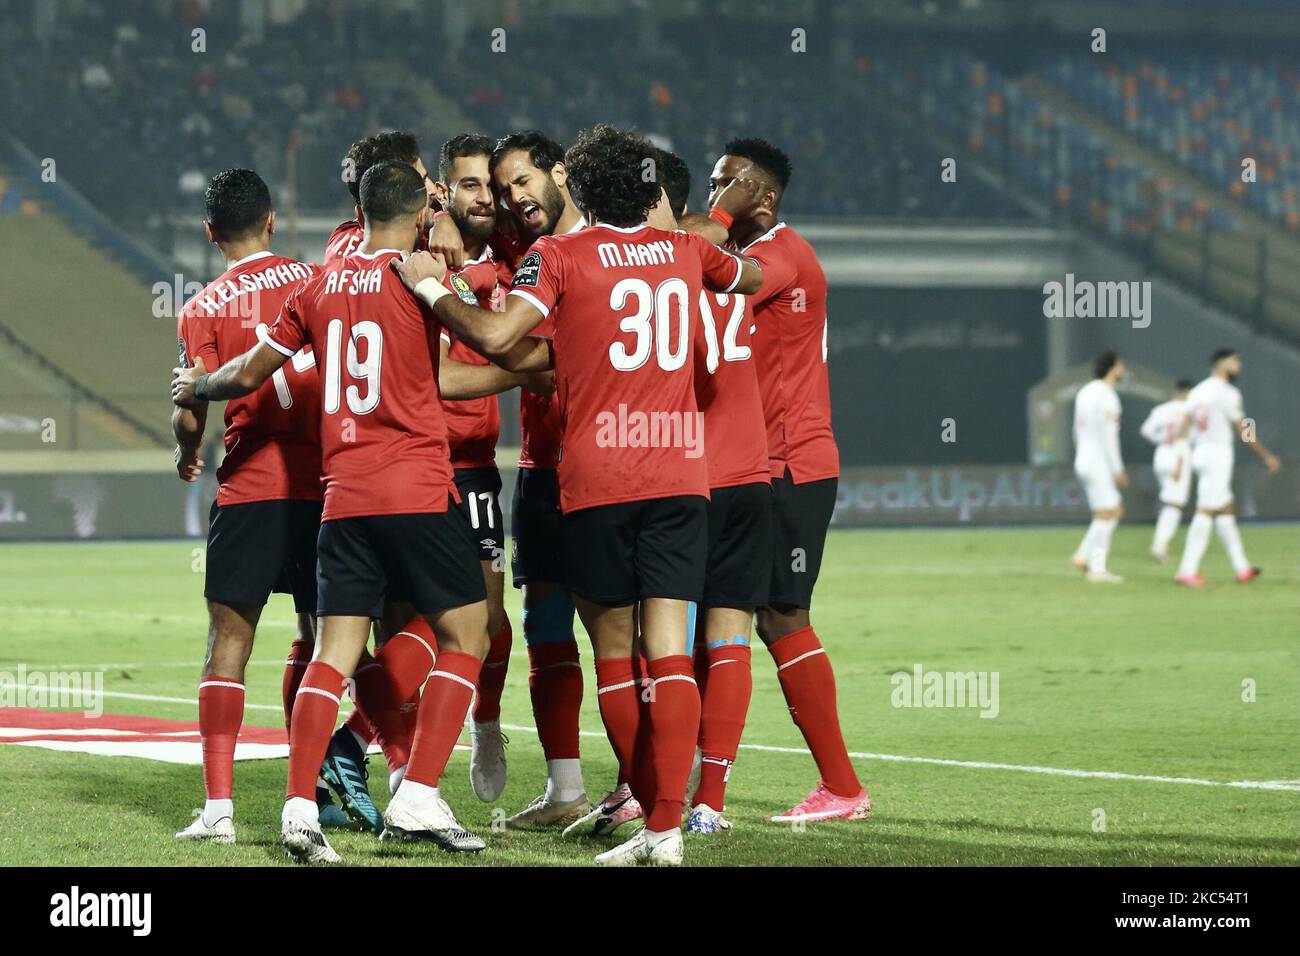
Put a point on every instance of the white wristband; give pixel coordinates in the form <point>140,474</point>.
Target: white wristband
<point>430,290</point>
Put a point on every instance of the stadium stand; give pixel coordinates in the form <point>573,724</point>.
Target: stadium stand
<point>54,326</point>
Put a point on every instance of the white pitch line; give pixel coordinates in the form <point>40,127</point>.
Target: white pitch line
<point>1287,785</point>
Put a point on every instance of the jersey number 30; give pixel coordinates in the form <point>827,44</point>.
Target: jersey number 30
<point>654,312</point>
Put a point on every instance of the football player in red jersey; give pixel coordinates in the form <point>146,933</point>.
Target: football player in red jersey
<point>530,181</point>
<point>470,384</point>
<point>789,344</point>
<point>345,763</point>
<point>394,146</point>
<point>624,301</point>
<point>262,533</point>
<point>739,516</point>
<point>389,518</point>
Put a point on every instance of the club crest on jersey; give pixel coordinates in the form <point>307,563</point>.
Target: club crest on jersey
<point>462,289</point>
<point>184,355</point>
<point>529,270</point>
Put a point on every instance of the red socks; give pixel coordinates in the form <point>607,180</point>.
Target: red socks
<point>221,712</point>
<point>314,714</point>
<point>618,694</point>
<point>357,721</point>
<point>442,714</point>
<point>555,685</point>
<point>389,681</point>
<point>809,687</point>
<point>295,666</point>
<point>675,719</point>
<point>725,703</point>
<point>493,679</point>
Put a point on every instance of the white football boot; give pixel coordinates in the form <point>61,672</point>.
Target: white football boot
<point>301,834</point>
<point>428,819</point>
<point>222,831</point>
<point>487,759</point>
<point>665,851</point>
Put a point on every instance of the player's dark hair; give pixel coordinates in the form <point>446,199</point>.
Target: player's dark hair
<point>543,152</point>
<point>675,178</point>
<point>391,190</point>
<point>1220,354</point>
<point>1103,363</point>
<point>1183,385</point>
<point>237,203</point>
<point>607,175</point>
<point>764,155</point>
<point>459,147</point>
<point>393,146</point>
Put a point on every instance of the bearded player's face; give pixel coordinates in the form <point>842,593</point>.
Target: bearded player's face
<point>469,194</point>
<point>529,193</point>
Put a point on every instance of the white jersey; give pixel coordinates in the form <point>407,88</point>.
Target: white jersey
<point>1096,429</point>
<point>1164,426</point>
<point>1216,408</point>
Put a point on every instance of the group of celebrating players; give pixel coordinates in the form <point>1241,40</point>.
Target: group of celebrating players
<point>360,475</point>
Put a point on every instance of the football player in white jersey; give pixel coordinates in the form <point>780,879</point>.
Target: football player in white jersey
<point>1217,420</point>
<point>1166,428</point>
<point>1099,465</point>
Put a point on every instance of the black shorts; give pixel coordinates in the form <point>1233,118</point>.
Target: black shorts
<point>801,515</point>
<point>261,547</point>
<point>618,554</point>
<point>480,493</point>
<point>430,560</point>
<point>536,539</point>
<point>740,530</point>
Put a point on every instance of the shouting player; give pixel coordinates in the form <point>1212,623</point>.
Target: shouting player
<point>1099,465</point>
<point>1217,419</point>
<point>531,182</point>
<point>469,384</point>
<point>624,301</point>
<point>789,345</point>
<point>1166,428</point>
<point>262,531</point>
<point>389,518</point>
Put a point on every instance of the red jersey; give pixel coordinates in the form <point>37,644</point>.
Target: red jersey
<point>343,241</point>
<point>383,438</point>
<point>272,435</point>
<point>540,418</point>
<point>726,388</point>
<point>347,237</point>
<point>474,424</point>
<point>625,305</point>
<point>790,356</point>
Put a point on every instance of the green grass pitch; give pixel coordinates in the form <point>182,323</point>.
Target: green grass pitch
<point>1143,679</point>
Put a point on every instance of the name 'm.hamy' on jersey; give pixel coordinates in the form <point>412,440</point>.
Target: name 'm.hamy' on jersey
<point>272,437</point>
